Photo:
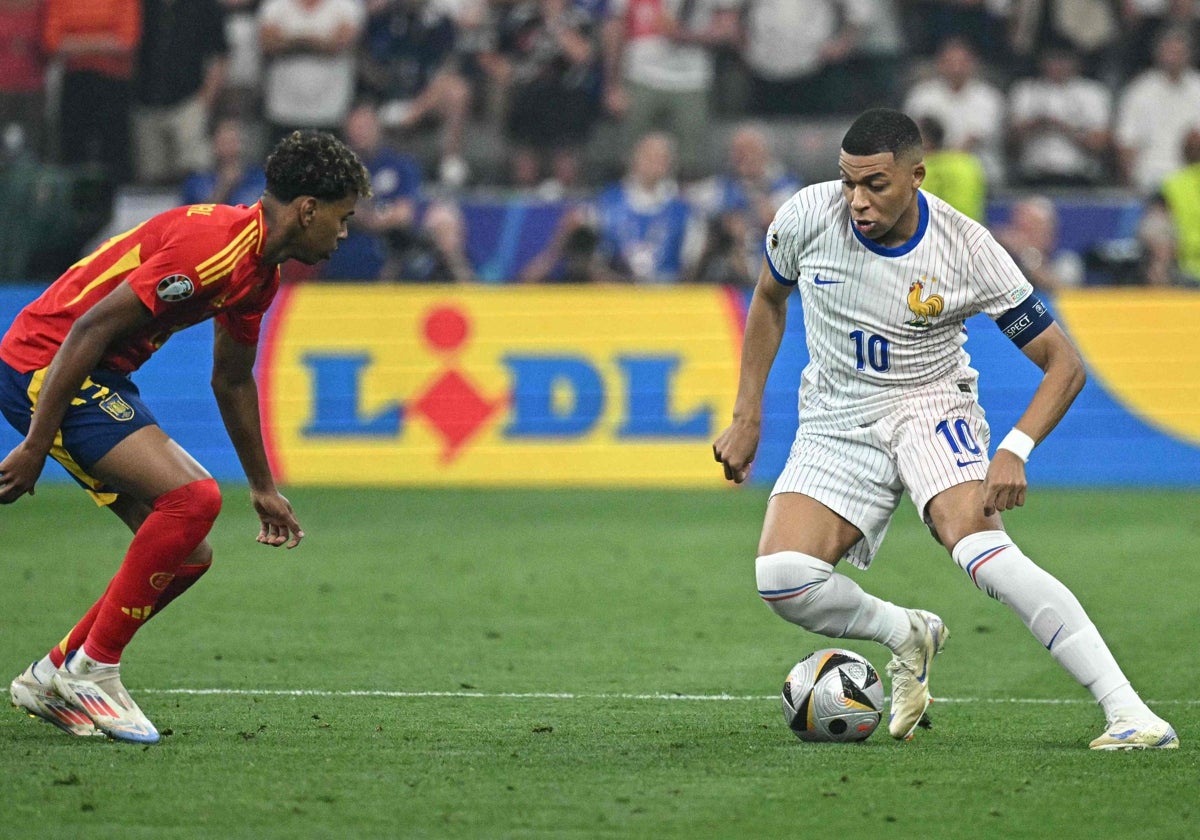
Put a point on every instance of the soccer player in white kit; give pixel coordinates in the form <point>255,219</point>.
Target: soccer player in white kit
<point>888,402</point>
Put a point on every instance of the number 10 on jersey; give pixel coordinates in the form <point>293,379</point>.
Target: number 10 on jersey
<point>870,350</point>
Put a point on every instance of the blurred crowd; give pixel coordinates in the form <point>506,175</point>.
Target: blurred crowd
<point>1031,96</point>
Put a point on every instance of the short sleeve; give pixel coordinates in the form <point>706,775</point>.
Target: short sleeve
<point>1096,104</point>
<point>858,12</point>
<point>244,322</point>
<point>998,282</point>
<point>272,12</point>
<point>1130,115</point>
<point>166,280</point>
<point>243,327</point>
<point>355,14</point>
<point>1021,101</point>
<point>782,245</point>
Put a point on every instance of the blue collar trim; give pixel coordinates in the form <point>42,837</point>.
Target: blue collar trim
<point>902,249</point>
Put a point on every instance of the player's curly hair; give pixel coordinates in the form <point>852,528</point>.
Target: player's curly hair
<point>318,164</point>
<point>881,130</point>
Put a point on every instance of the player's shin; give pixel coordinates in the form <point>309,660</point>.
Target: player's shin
<point>1051,612</point>
<point>52,661</point>
<point>180,520</point>
<point>807,591</point>
<point>185,576</point>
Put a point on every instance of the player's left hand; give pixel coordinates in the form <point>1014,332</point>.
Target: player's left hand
<point>279,523</point>
<point>19,472</point>
<point>1005,485</point>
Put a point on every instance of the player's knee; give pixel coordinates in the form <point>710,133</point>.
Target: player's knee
<point>201,556</point>
<point>191,572</point>
<point>789,582</point>
<point>198,501</point>
<point>973,552</point>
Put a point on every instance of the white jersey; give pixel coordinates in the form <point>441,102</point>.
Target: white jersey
<point>882,322</point>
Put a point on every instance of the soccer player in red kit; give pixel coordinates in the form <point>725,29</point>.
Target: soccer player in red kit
<point>64,384</point>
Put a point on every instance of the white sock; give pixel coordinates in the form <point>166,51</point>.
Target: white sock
<point>806,591</point>
<point>44,669</point>
<point>81,663</point>
<point>1052,614</point>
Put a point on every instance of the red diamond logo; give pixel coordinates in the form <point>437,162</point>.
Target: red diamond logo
<point>456,410</point>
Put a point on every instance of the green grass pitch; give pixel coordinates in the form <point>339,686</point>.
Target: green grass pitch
<point>586,664</point>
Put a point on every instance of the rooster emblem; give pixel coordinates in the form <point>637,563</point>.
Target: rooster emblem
<point>923,309</point>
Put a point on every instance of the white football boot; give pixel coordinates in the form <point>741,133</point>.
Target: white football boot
<point>39,700</point>
<point>100,695</point>
<point>1127,732</point>
<point>909,670</point>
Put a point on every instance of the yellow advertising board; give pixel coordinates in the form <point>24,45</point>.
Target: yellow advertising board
<point>386,385</point>
<point>1141,348</point>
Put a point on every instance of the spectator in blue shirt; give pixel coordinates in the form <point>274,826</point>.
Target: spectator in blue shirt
<point>739,204</point>
<point>638,229</point>
<point>411,62</point>
<point>644,225</point>
<point>233,178</point>
<point>382,223</point>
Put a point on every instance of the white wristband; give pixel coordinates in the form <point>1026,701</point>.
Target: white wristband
<point>1018,443</point>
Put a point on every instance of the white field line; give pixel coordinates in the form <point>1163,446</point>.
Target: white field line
<point>551,695</point>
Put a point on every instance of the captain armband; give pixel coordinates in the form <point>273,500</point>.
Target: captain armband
<point>1025,321</point>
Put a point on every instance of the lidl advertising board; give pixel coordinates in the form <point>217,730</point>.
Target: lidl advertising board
<point>621,386</point>
<point>484,386</point>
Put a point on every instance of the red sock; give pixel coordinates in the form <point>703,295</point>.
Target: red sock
<point>179,521</point>
<point>79,632</point>
<point>185,576</point>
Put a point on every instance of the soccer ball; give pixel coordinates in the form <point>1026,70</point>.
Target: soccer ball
<point>832,695</point>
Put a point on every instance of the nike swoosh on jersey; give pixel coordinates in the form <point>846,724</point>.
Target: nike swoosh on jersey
<point>962,463</point>
<point>817,281</point>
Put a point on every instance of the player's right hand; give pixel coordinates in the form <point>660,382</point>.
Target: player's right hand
<point>19,472</point>
<point>1005,486</point>
<point>734,449</point>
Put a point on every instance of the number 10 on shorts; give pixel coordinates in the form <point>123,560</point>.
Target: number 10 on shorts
<point>958,435</point>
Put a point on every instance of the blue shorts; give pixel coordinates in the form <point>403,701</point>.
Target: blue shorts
<point>107,409</point>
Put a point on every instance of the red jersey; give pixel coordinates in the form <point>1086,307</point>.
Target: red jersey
<point>186,265</point>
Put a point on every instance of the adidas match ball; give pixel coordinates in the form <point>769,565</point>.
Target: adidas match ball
<point>832,695</point>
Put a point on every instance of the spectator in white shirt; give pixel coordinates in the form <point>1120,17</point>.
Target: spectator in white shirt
<point>311,48</point>
<point>796,51</point>
<point>659,68</point>
<point>1156,111</point>
<point>1059,124</point>
<point>970,109</point>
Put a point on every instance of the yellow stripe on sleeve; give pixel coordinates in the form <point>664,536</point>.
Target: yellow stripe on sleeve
<point>205,268</point>
<point>226,266</point>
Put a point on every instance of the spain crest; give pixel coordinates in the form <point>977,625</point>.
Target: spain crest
<point>116,407</point>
